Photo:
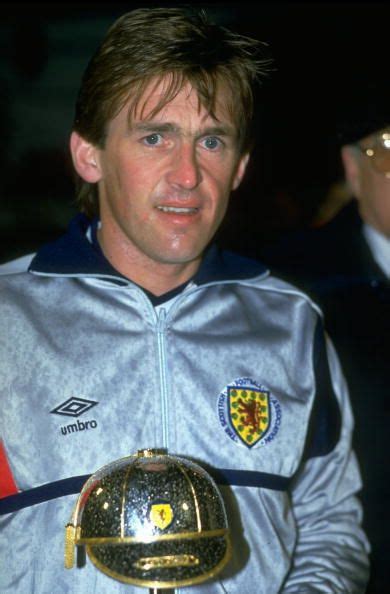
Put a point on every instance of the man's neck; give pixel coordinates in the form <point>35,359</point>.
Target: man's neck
<point>157,278</point>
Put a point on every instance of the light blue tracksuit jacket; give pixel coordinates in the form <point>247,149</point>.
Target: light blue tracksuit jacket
<point>91,371</point>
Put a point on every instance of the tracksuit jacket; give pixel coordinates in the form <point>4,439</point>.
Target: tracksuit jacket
<point>91,371</point>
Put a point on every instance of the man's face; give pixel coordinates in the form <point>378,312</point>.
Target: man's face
<point>165,180</point>
<point>370,187</point>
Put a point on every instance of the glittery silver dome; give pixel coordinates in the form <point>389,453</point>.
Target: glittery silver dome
<point>153,520</point>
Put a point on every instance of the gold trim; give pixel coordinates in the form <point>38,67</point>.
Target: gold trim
<point>146,563</point>
<point>198,519</point>
<point>150,452</point>
<point>160,584</point>
<point>158,538</point>
<point>96,478</point>
<point>129,470</point>
<point>70,543</point>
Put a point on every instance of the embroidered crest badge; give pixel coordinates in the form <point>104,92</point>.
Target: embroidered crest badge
<point>248,413</point>
<point>161,515</point>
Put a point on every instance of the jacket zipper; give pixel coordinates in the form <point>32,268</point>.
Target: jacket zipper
<point>162,362</point>
<point>161,327</point>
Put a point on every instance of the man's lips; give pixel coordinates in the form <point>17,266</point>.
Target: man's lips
<point>184,210</point>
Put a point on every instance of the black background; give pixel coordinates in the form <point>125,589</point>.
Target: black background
<point>320,50</point>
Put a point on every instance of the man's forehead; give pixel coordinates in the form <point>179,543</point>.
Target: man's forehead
<point>158,103</point>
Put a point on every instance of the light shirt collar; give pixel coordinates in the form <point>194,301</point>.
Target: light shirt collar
<point>379,245</point>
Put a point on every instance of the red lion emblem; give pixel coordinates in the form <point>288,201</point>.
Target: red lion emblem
<point>251,412</point>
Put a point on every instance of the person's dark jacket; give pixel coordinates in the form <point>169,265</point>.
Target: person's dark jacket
<point>335,266</point>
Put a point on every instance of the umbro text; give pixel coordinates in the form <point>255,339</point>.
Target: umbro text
<point>78,426</point>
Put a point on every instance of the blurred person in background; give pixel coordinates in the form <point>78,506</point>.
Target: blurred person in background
<point>343,262</point>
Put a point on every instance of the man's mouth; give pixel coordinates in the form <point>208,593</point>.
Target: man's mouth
<point>178,210</point>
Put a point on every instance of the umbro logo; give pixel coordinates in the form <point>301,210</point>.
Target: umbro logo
<point>74,407</point>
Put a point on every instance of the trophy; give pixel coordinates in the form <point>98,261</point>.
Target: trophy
<point>151,519</point>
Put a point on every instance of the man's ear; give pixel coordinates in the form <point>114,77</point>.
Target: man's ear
<point>351,169</point>
<point>85,158</point>
<point>241,168</point>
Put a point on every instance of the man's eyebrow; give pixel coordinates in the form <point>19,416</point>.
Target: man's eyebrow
<point>217,131</point>
<point>149,127</point>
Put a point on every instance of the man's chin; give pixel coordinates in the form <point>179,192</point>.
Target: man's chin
<point>177,250</point>
<point>179,259</point>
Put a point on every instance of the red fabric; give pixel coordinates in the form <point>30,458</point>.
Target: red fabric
<point>7,482</point>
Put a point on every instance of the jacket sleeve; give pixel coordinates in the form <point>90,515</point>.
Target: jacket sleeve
<point>331,552</point>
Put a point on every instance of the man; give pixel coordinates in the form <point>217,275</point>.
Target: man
<point>134,331</point>
<point>345,266</point>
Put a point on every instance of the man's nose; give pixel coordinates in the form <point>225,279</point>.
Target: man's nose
<point>184,171</point>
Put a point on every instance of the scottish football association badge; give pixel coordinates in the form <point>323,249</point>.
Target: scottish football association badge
<point>248,413</point>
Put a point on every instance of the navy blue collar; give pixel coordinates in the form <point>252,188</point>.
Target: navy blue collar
<point>73,254</point>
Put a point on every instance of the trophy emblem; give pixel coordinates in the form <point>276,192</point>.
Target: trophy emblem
<point>151,519</point>
<point>161,514</point>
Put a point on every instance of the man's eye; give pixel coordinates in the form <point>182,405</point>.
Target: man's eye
<point>212,143</point>
<point>152,139</point>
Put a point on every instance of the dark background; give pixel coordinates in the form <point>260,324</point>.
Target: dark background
<point>321,51</point>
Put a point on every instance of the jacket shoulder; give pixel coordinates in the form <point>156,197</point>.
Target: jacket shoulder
<point>275,284</point>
